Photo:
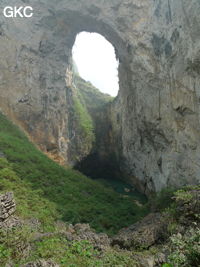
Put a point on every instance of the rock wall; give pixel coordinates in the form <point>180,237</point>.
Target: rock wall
<point>155,118</point>
<point>160,111</point>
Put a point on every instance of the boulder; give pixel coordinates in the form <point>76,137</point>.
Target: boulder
<point>80,232</point>
<point>7,210</point>
<point>7,206</point>
<point>143,234</point>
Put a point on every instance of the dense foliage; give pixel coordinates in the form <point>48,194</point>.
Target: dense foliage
<point>67,194</point>
<point>48,193</point>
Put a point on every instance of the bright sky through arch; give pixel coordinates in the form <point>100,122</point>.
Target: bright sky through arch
<point>96,62</point>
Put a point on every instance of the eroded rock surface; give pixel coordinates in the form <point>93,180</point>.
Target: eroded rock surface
<point>142,234</point>
<point>188,208</point>
<point>155,125</point>
<point>80,232</point>
<point>7,206</point>
<point>41,263</point>
<point>7,209</point>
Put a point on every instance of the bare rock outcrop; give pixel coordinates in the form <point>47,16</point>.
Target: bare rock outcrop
<point>41,263</point>
<point>142,234</point>
<point>188,207</point>
<point>154,121</point>
<point>80,232</point>
<point>7,210</point>
<point>7,206</point>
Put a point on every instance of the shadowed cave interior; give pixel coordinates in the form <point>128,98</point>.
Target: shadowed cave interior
<point>95,62</point>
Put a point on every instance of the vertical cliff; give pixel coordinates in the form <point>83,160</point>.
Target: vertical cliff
<point>154,120</point>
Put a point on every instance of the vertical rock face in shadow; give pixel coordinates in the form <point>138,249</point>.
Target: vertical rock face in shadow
<point>155,130</point>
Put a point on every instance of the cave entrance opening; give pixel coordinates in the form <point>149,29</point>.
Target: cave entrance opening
<point>95,61</point>
<point>95,69</point>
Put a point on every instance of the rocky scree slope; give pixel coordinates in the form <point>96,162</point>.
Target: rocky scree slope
<point>170,238</point>
<point>49,198</point>
<point>43,216</point>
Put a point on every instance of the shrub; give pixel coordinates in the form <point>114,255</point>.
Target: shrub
<point>185,249</point>
<point>48,192</point>
<point>161,200</point>
<point>84,120</point>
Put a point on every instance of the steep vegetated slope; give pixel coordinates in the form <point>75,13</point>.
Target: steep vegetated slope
<point>32,235</point>
<point>46,192</point>
<point>75,197</point>
<point>101,161</point>
<point>87,107</point>
<point>93,98</point>
<point>48,197</point>
<point>155,120</point>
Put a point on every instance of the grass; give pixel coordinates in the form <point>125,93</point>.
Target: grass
<point>78,254</point>
<point>93,98</point>
<point>84,120</point>
<point>81,253</point>
<point>47,191</point>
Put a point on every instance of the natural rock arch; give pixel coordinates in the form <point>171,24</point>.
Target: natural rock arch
<point>155,119</point>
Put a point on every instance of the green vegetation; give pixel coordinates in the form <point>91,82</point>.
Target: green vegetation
<point>185,248</point>
<point>80,253</point>
<point>84,120</point>
<point>91,96</point>
<point>48,191</point>
<point>31,203</point>
<point>14,246</point>
<point>120,186</point>
<point>161,200</point>
<point>183,195</point>
<point>183,218</point>
<point>88,101</point>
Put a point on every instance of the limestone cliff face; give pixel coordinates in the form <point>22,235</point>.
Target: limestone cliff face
<point>155,118</point>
